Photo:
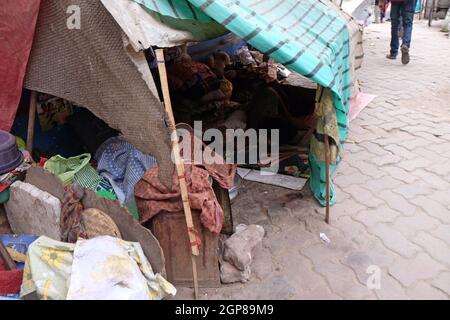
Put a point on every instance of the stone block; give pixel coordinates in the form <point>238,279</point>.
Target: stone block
<point>33,211</point>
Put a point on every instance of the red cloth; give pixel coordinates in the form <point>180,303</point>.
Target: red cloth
<point>17,25</point>
<point>10,280</point>
<point>153,197</point>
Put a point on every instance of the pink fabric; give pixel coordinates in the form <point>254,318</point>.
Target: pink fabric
<point>358,103</point>
<point>17,25</point>
<point>153,197</point>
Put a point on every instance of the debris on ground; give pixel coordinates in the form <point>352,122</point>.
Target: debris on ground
<point>237,253</point>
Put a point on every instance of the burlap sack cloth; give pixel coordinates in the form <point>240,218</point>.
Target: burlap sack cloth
<point>90,67</point>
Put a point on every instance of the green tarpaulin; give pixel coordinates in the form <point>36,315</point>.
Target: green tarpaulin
<point>306,36</point>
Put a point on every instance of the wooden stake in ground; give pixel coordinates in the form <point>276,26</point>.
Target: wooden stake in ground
<point>327,168</point>
<point>179,164</point>
<point>31,120</point>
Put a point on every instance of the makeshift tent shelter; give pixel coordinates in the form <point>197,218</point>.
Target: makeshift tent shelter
<point>96,66</point>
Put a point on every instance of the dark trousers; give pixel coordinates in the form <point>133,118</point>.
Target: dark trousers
<point>401,12</point>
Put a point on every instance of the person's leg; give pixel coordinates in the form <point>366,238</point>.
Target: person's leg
<point>407,12</point>
<point>395,24</point>
<point>408,9</point>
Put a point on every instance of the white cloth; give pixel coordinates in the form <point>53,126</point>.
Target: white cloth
<point>111,269</point>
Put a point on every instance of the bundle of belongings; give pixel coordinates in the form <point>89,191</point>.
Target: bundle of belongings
<point>243,90</point>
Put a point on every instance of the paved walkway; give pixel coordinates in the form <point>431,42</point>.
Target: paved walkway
<point>393,185</point>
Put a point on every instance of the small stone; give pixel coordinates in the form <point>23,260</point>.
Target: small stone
<point>230,274</point>
<point>33,211</point>
<point>238,248</point>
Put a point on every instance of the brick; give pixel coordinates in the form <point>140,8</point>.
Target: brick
<point>363,196</point>
<point>367,169</point>
<point>413,164</point>
<point>380,214</point>
<point>436,248</point>
<point>442,232</point>
<point>399,174</point>
<point>390,289</point>
<point>423,291</point>
<point>381,184</point>
<point>421,267</point>
<point>433,208</point>
<point>412,190</point>
<point>400,151</point>
<point>394,240</point>
<point>432,179</point>
<point>409,226</point>
<point>443,282</point>
<point>398,203</point>
<point>386,160</point>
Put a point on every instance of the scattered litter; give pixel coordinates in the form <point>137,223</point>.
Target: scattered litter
<point>275,179</point>
<point>324,237</point>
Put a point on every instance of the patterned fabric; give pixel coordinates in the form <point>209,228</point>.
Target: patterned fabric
<point>71,225</point>
<point>66,169</point>
<point>123,165</point>
<point>48,268</point>
<point>87,177</point>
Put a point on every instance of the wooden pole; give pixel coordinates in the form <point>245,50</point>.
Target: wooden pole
<point>179,166</point>
<point>327,169</point>
<point>31,120</point>
<point>9,262</point>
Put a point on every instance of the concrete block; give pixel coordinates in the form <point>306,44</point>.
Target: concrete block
<point>33,211</point>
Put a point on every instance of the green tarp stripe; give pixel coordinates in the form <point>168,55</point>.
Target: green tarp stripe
<point>295,58</point>
<point>206,4</point>
<point>313,6</point>
<point>253,34</point>
<point>271,25</point>
<point>333,39</point>
<point>228,20</point>
<point>277,47</point>
<point>271,9</point>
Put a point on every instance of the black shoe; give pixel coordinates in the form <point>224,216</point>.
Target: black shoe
<point>405,55</point>
<point>391,56</point>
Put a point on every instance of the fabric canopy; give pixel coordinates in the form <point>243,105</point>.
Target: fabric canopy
<point>309,36</point>
<point>17,24</point>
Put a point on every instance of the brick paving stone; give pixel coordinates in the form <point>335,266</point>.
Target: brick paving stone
<point>394,240</point>
<point>343,281</point>
<point>424,291</point>
<point>399,174</point>
<point>400,151</point>
<point>381,184</point>
<point>412,190</point>
<point>442,282</point>
<point>398,202</point>
<point>441,197</point>
<point>390,289</point>
<point>413,164</point>
<point>363,196</point>
<point>367,169</point>
<point>433,208</point>
<point>436,248</point>
<point>442,232</point>
<point>433,180</point>
<point>421,267</point>
<point>409,226</point>
<point>371,217</point>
